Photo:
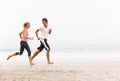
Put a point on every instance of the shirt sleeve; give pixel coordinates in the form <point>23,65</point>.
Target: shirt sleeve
<point>40,28</point>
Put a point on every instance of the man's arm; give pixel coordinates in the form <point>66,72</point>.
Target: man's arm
<point>37,34</point>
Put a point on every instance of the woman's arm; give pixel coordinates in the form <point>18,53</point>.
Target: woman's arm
<point>20,35</point>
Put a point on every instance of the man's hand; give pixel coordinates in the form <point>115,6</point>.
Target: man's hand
<point>50,30</point>
<point>38,38</point>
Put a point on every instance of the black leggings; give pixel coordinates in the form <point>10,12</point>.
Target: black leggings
<point>24,45</point>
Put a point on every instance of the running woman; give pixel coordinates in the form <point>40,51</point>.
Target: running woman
<point>45,31</point>
<point>23,43</point>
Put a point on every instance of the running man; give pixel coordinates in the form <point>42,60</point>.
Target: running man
<point>45,31</point>
<point>23,44</point>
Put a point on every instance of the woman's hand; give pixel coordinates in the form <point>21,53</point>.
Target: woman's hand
<point>31,38</point>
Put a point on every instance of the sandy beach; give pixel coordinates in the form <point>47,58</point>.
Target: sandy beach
<point>81,37</point>
<point>79,71</point>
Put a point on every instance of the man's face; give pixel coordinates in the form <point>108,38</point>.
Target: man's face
<point>44,22</point>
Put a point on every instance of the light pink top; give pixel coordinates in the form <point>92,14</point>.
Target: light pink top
<point>24,36</point>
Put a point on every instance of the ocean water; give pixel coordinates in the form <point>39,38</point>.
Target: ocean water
<point>68,55</point>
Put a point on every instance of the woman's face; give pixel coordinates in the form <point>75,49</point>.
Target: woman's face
<point>28,26</point>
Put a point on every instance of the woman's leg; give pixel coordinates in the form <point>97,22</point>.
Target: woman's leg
<point>17,53</point>
<point>29,53</point>
<point>14,54</point>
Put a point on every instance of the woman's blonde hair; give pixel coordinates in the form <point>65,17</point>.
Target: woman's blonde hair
<point>25,24</point>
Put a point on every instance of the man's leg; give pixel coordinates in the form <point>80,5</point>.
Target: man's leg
<point>47,48</point>
<point>38,51</point>
<point>48,57</point>
<point>35,54</point>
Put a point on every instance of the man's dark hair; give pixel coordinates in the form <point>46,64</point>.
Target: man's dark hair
<point>45,19</point>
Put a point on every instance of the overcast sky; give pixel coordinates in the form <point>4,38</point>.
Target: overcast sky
<point>74,22</point>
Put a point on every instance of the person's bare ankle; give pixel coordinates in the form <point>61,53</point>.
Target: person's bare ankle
<point>50,62</point>
<point>8,57</point>
<point>31,63</point>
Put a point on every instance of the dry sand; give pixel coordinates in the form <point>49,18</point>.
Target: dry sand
<point>81,71</point>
